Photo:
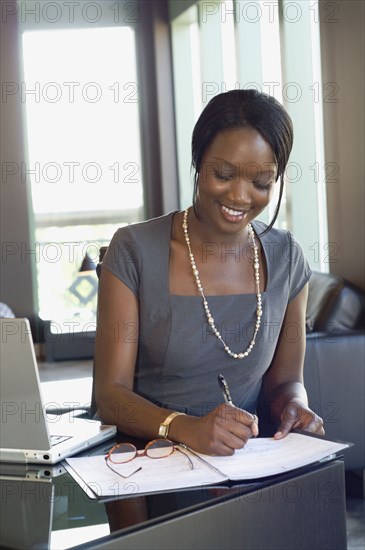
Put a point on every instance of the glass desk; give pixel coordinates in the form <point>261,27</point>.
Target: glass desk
<point>46,508</point>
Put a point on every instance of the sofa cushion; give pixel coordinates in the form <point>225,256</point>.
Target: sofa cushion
<point>334,377</point>
<point>334,305</point>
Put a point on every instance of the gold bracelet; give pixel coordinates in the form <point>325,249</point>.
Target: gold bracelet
<point>165,425</point>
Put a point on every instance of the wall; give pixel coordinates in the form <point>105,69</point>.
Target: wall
<point>343,63</point>
<point>17,275</point>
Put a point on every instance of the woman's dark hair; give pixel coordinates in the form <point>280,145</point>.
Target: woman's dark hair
<point>239,109</point>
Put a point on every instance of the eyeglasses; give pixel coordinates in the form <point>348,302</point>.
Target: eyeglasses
<point>126,452</point>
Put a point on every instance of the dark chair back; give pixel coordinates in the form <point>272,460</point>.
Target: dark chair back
<point>93,409</point>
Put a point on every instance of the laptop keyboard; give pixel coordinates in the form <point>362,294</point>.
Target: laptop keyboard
<point>56,439</point>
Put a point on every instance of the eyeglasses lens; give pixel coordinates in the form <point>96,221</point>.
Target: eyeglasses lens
<point>123,453</point>
<point>160,448</point>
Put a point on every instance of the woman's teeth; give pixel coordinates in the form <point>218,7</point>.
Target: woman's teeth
<point>232,212</point>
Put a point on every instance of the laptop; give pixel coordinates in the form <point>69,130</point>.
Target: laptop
<point>27,432</point>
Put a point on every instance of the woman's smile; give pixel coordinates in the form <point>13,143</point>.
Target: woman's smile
<point>232,215</point>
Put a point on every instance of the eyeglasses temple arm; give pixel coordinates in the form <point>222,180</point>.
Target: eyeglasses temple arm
<point>119,474</point>
<point>188,457</point>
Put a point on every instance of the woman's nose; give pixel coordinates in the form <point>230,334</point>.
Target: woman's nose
<point>239,192</point>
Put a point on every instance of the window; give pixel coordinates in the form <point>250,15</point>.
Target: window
<point>81,102</point>
<point>272,46</point>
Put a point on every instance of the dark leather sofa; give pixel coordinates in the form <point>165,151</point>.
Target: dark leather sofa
<point>334,368</point>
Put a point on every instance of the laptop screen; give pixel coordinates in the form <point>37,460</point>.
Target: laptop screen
<point>23,424</point>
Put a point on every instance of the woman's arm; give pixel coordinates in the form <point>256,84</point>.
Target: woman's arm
<point>283,382</point>
<point>115,359</point>
<point>221,432</point>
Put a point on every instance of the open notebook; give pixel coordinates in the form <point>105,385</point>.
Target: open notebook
<point>261,457</point>
<point>28,433</point>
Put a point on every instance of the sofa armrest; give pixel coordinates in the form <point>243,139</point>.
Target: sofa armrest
<point>334,376</point>
<point>334,304</point>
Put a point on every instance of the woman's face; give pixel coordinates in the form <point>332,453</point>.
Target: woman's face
<point>236,180</point>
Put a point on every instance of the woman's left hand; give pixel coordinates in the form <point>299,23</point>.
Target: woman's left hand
<point>297,415</point>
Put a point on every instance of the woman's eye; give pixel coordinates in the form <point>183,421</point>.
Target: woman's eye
<point>262,186</point>
<point>223,177</point>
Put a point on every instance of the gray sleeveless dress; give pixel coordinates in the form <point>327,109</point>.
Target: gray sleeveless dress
<point>179,357</point>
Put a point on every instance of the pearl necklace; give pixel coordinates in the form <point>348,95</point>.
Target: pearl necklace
<point>210,318</point>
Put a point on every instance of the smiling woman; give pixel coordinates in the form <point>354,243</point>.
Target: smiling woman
<point>209,290</point>
<point>266,156</point>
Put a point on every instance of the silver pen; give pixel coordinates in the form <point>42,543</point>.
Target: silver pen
<point>225,390</point>
<point>228,399</point>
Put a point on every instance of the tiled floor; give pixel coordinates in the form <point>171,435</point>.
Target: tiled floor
<point>355,504</point>
<point>64,370</point>
<point>69,370</point>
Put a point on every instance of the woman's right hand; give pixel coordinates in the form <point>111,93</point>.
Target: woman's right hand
<point>220,432</point>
